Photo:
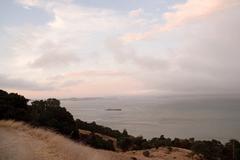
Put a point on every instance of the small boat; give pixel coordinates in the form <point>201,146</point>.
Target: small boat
<point>113,109</point>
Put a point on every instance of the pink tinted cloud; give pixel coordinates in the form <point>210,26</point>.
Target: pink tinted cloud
<point>182,14</point>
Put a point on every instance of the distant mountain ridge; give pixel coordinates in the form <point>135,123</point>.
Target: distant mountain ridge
<point>81,99</point>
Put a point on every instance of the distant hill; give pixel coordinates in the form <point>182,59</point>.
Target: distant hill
<point>81,99</point>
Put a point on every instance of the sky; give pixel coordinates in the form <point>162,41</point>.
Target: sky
<point>89,48</point>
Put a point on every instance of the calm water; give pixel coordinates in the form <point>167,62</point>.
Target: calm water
<point>183,117</point>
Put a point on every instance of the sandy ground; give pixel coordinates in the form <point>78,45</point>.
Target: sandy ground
<point>18,141</point>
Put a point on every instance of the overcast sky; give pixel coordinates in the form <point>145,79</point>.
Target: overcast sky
<point>79,48</point>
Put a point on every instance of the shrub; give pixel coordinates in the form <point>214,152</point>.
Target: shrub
<point>146,153</point>
<point>49,114</point>
<point>98,142</point>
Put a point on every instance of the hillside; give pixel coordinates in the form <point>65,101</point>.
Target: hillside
<point>17,139</point>
<point>20,141</point>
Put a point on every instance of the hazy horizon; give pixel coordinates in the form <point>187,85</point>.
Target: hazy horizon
<point>79,98</point>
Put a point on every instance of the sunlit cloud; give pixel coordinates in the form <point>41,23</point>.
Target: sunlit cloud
<point>136,12</point>
<point>180,14</point>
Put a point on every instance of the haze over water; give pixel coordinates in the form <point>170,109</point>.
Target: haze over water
<point>201,117</point>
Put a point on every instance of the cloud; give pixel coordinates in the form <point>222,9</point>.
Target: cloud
<point>67,38</point>
<point>55,60</point>
<point>136,12</point>
<point>195,50</point>
<point>206,59</point>
<point>124,53</point>
<point>70,41</point>
<point>97,73</point>
<point>193,10</point>
<point>96,82</point>
<point>23,84</point>
<point>44,4</point>
<point>180,14</point>
<point>69,79</point>
<point>63,81</point>
<point>28,3</point>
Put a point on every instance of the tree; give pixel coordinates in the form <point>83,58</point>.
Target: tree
<point>49,113</point>
<point>125,133</point>
<point>125,143</point>
<point>13,106</point>
<point>231,150</point>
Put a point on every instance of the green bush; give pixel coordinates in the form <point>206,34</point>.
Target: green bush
<point>49,114</point>
<point>98,142</point>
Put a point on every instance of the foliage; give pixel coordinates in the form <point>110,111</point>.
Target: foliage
<point>125,143</point>
<point>146,153</point>
<point>13,106</point>
<point>49,114</point>
<point>98,142</point>
<point>93,127</point>
<point>231,150</point>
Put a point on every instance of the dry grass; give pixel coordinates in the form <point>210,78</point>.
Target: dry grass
<point>163,153</point>
<point>19,141</point>
<point>47,145</point>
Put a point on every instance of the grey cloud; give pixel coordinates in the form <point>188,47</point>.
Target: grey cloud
<point>69,83</point>
<point>52,55</point>
<point>54,60</point>
<point>18,83</point>
<point>206,59</point>
<point>98,73</point>
<point>210,61</point>
<point>63,81</point>
<point>127,54</point>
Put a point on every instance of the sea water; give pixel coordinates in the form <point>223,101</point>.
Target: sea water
<point>201,117</point>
